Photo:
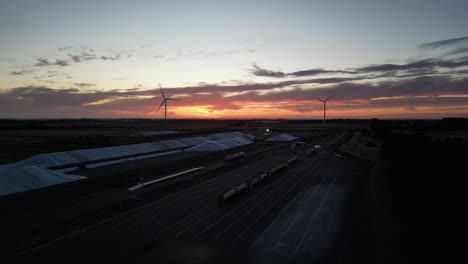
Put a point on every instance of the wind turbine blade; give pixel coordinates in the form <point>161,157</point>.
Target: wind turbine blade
<point>172,99</point>
<point>161,105</point>
<point>318,98</point>
<point>162,91</point>
<point>330,96</point>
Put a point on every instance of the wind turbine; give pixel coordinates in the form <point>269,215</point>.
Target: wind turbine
<point>324,106</point>
<point>164,102</point>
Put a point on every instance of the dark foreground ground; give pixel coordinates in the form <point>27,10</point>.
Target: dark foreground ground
<point>311,212</point>
<point>306,214</point>
<point>322,209</point>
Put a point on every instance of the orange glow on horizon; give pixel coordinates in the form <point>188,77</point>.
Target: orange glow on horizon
<point>196,111</point>
<point>301,109</point>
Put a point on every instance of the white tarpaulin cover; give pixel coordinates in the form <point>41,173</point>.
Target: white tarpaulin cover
<point>221,144</point>
<point>15,178</point>
<point>193,140</point>
<point>282,137</point>
<point>48,160</point>
<point>32,173</point>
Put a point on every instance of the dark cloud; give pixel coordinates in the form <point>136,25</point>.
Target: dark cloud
<point>415,68</point>
<point>133,89</point>
<point>257,71</point>
<point>460,72</point>
<point>87,56</point>
<point>360,93</point>
<point>45,78</point>
<point>21,72</point>
<point>421,64</point>
<point>60,62</point>
<point>38,90</point>
<point>42,101</point>
<point>316,72</point>
<point>423,86</point>
<point>77,55</point>
<point>75,49</point>
<point>45,62</point>
<point>84,85</point>
<point>42,62</point>
<point>115,57</point>
<point>457,51</point>
<point>75,58</point>
<point>83,56</point>
<point>442,43</point>
<point>425,64</point>
<point>248,87</point>
<point>454,63</point>
<point>65,48</point>
<point>418,92</point>
<point>51,74</point>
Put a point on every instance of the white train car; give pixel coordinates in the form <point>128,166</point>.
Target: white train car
<point>231,192</point>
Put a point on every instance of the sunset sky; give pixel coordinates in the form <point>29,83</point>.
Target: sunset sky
<point>233,59</point>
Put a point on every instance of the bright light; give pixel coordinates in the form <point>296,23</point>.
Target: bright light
<point>196,111</point>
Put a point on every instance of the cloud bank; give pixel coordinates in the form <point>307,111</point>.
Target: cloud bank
<point>444,43</point>
<point>420,93</point>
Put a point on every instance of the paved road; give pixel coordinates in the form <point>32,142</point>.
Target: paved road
<point>294,216</point>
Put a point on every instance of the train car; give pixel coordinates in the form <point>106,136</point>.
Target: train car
<point>254,180</point>
<point>226,195</point>
<point>272,172</point>
<point>240,187</point>
<point>234,156</point>
<point>229,193</point>
<point>263,175</point>
<point>281,166</point>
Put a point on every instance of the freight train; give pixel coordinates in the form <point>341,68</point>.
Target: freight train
<point>253,181</point>
<point>234,156</point>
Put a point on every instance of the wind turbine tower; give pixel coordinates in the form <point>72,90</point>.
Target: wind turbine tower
<point>324,101</point>
<point>164,102</point>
